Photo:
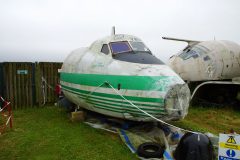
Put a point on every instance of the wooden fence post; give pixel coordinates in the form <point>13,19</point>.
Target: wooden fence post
<point>1,80</point>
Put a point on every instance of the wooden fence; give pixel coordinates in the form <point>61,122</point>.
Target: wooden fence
<point>1,79</point>
<point>27,84</point>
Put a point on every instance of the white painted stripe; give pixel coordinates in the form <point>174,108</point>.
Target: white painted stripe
<point>114,113</point>
<point>122,108</point>
<point>125,92</point>
<point>128,105</point>
<point>119,100</point>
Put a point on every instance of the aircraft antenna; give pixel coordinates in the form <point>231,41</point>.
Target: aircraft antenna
<point>113,31</point>
<point>190,42</point>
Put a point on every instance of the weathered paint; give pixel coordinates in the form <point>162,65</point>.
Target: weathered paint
<point>220,61</point>
<point>155,89</point>
<point>211,69</point>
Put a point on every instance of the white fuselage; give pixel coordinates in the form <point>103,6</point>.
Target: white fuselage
<point>154,88</point>
<point>216,60</point>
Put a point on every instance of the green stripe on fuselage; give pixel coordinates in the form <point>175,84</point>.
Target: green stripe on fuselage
<point>149,83</point>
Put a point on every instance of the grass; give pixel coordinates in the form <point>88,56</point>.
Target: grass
<point>47,133</point>
<point>210,119</point>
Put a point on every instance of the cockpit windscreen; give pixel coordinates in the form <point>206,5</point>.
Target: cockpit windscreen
<point>193,52</point>
<point>139,46</point>
<point>133,51</point>
<point>120,47</point>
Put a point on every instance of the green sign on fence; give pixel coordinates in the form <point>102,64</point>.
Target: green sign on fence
<point>22,71</point>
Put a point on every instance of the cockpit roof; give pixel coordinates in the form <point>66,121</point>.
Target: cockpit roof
<point>117,37</point>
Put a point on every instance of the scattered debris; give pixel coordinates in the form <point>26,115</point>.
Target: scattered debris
<point>154,140</point>
<point>78,116</point>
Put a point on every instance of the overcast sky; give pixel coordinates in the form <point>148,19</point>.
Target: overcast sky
<point>48,30</point>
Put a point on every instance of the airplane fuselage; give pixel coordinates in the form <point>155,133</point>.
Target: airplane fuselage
<point>209,60</point>
<point>136,75</point>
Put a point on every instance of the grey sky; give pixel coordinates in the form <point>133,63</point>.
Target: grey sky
<point>47,30</point>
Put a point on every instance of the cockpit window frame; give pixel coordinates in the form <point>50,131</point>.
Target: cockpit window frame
<point>120,52</point>
<point>109,51</point>
<point>134,56</point>
<point>146,49</point>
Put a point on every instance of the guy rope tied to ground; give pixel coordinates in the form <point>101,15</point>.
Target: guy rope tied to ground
<point>6,115</point>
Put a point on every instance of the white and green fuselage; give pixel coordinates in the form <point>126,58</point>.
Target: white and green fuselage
<point>154,88</point>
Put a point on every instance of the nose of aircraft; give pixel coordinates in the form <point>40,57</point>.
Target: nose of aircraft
<point>177,101</point>
<point>177,65</point>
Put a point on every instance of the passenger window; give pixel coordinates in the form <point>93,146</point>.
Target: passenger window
<point>105,49</point>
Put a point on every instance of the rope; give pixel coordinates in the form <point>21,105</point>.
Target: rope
<point>94,90</point>
<point>4,106</point>
<point>49,86</point>
<point>9,118</point>
<point>2,99</point>
<point>150,114</point>
<point>98,127</point>
<point>44,87</point>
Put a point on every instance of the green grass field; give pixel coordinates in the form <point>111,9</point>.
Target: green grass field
<point>211,119</point>
<point>47,133</point>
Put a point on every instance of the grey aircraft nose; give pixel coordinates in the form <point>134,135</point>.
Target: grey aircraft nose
<point>177,101</point>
